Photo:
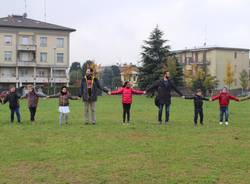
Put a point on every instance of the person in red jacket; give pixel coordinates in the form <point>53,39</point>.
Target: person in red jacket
<point>127,93</point>
<point>224,98</point>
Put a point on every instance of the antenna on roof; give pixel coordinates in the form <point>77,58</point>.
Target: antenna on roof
<point>45,15</point>
<point>25,6</point>
<point>205,36</point>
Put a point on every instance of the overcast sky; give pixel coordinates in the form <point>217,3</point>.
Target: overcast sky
<point>111,31</point>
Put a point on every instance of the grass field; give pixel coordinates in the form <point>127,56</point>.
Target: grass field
<point>142,153</point>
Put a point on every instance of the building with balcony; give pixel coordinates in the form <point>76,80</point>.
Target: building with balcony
<point>33,52</point>
<point>215,60</point>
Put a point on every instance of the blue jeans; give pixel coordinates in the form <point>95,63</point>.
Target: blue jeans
<point>224,112</point>
<point>167,109</point>
<point>12,112</point>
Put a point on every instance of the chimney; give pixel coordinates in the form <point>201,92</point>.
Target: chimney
<point>25,15</point>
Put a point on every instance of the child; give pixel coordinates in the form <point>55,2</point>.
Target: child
<point>198,103</point>
<point>13,99</point>
<point>64,97</point>
<point>127,93</point>
<point>33,98</point>
<point>224,98</point>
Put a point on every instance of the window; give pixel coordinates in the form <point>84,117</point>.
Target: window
<point>25,57</point>
<point>235,55</point>
<point>25,40</point>
<point>43,57</point>
<point>60,57</point>
<point>43,41</point>
<point>7,56</point>
<point>7,40</point>
<point>41,73</point>
<point>60,42</point>
<point>23,72</point>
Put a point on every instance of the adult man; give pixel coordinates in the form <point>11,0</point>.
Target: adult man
<point>164,87</point>
<point>88,92</point>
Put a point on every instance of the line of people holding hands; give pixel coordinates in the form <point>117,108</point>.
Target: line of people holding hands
<point>89,89</point>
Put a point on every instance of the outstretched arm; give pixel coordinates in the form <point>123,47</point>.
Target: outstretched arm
<point>231,97</point>
<point>204,98</point>
<point>6,99</point>
<point>74,97</point>
<point>117,92</point>
<point>99,86</point>
<point>189,97</point>
<point>215,97</point>
<point>137,92</point>
<point>154,86</point>
<point>24,96</point>
<point>176,89</point>
<point>54,96</point>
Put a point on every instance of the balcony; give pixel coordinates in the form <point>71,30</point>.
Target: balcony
<point>31,63</point>
<point>60,80</point>
<point>26,47</point>
<point>7,78</point>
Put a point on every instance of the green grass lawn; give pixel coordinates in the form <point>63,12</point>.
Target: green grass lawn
<point>109,152</point>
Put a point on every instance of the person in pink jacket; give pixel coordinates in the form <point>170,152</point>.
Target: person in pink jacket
<point>127,92</point>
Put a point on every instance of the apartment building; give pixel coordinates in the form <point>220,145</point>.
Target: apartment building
<point>33,52</point>
<point>216,59</point>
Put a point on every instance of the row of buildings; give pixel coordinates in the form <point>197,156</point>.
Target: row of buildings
<point>37,52</point>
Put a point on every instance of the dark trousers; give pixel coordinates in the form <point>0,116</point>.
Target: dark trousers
<point>167,109</point>
<point>126,112</point>
<point>12,113</point>
<point>32,113</point>
<point>198,112</point>
<point>224,112</point>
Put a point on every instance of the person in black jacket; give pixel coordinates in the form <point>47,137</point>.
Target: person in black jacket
<point>164,87</point>
<point>13,99</point>
<point>88,92</point>
<point>198,106</point>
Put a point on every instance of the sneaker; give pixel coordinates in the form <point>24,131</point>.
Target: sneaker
<point>221,123</point>
<point>159,122</point>
<point>86,123</point>
<point>226,123</point>
<point>166,123</point>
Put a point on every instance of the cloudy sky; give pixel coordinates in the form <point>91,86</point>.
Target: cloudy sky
<point>111,31</point>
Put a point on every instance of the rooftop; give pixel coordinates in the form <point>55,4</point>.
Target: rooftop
<point>21,21</point>
<point>211,48</point>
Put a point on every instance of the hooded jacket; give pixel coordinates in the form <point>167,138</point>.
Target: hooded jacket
<point>224,98</point>
<point>89,89</point>
<point>163,88</point>
<point>127,94</point>
<point>13,99</point>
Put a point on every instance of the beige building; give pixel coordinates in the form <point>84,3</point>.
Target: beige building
<point>129,73</point>
<point>216,59</point>
<point>32,51</point>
